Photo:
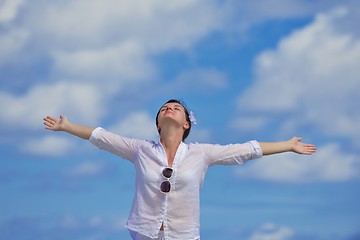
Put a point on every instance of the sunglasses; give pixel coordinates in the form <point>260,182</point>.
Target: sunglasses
<point>166,185</point>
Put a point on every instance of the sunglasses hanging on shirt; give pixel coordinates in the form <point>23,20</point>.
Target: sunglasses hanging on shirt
<point>166,185</point>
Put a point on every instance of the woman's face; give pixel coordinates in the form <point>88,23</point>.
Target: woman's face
<point>173,112</point>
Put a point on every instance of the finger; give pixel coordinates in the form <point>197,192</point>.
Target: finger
<point>63,117</point>
<point>47,119</point>
<point>310,150</point>
<point>310,146</point>
<point>47,124</point>
<point>48,127</point>
<point>51,118</point>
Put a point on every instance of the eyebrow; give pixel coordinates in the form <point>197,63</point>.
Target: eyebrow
<point>175,105</point>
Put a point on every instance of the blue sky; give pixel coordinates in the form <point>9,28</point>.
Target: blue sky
<point>264,70</point>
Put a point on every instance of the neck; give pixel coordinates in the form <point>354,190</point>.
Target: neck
<point>170,138</point>
<point>170,144</point>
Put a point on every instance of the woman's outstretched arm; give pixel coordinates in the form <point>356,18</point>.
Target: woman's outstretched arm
<point>293,145</point>
<point>63,124</point>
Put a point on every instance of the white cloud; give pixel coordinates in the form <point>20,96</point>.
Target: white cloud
<point>270,231</point>
<point>47,146</point>
<point>112,42</point>
<point>89,26</point>
<point>109,67</point>
<point>137,125</point>
<point>82,102</point>
<point>303,63</point>
<point>329,163</point>
<point>9,10</point>
<point>246,123</point>
<point>311,78</point>
<point>153,24</point>
<point>12,43</point>
<point>108,40</point>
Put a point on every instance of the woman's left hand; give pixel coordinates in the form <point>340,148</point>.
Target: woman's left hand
<point>302,148</point>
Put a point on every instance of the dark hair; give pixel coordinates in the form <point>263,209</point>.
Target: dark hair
<point>187,131</point>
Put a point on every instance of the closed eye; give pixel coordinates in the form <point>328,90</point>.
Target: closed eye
<point>176,107</point>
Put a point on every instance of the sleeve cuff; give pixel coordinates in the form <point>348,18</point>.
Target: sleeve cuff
<point>256,149</point>
<point>95,133</point>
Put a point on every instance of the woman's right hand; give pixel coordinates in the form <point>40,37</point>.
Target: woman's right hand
<point>55,124</point>
<point>63,124</point>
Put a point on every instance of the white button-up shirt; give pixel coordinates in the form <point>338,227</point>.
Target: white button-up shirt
<point>179,209</point>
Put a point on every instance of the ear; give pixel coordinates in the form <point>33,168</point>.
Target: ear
<point>186,125</point>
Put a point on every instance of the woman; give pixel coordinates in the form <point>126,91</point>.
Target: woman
<point>169,173</point>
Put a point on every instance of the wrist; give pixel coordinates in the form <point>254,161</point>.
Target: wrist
<point>66,127</point>
<point>291,145</point>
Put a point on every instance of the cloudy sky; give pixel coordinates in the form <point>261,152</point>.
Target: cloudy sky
<point>264,70</point>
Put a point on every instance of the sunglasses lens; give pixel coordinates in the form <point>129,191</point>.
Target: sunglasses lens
<point>165,186</point>
<point>167,172</point>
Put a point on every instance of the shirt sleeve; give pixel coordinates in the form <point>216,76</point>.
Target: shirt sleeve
<point>232,154</point>
<point>121,146</point>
